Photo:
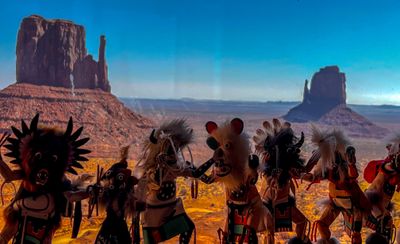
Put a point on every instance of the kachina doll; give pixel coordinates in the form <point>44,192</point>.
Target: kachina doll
<point>384,176</point>
<point>44,156</point>
<point>116,195</point>
<point>279,150</point>
<point>338,165</point>
<point>236,168</point>
<point>163,162</point>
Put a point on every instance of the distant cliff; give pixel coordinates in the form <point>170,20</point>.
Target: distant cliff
<point>325,103</point>
<point>328,90</point>
<point>53,53</point>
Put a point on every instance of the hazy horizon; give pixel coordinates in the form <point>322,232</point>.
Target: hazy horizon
<point>245,101</point>
<point>229,50</point>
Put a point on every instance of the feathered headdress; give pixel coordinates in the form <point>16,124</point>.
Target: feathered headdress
<point>279,149</point>
<point>20,144</point>
<point>278,135</point>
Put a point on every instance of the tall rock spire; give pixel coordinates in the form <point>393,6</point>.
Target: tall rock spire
<point>102,66</point>
<point>306,92</point>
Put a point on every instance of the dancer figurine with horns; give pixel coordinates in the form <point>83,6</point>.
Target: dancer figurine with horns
<point>236,168</point>
<point>163,161</point>
<point>43,155</point>
<point>117,196</point>
<point>279,150</point>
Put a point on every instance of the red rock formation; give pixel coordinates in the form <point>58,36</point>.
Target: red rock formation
<point>328,90</point>
<point>306,92</point>
<point>325,103</point>
<point>355,124</point>
<point>84,70</point>
<point>48,50</point>
<point>108,123</point>
<point>328,86</point>
<point>102,66</point>
<point>53,52</point>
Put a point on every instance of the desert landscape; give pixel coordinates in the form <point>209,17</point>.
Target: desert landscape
<point>60,79</point>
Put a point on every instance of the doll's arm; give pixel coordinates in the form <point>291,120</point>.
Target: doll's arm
<point>208,179</point>
<point>74,196</point>
<point>8,232</point>
<point>8,174</point>
<point>5,171</point>
<point>352,162</point>
<point>311,163</point>
<point>196,173</point>
<point>254,163</point>
<point>316,175</point>
<point>78,190</point>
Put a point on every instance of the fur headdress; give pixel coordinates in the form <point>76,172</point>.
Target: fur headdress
<point>178,130</point>
<point>173,135</point>
<point>329,143</point>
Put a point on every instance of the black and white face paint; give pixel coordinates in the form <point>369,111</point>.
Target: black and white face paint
<point>180,160</point>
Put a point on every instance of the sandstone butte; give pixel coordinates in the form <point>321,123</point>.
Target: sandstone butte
<point>58,79</point>
<point>325,103</point>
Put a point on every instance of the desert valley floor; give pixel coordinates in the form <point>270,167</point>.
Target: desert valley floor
<point>208,210</point>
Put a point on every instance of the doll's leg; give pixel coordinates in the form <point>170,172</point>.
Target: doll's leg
<point>253,239</point>
<point>301,224</point>
<point>328,216</point>
<point>269,238</point>
<point>356,234</point>
<point>231,223</point>
<point>270,235</point>
<point>385,228</point>
<point>148,237</point>
<point>185,237</point>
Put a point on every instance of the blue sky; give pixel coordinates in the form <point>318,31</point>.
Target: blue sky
<point>240,50</point>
